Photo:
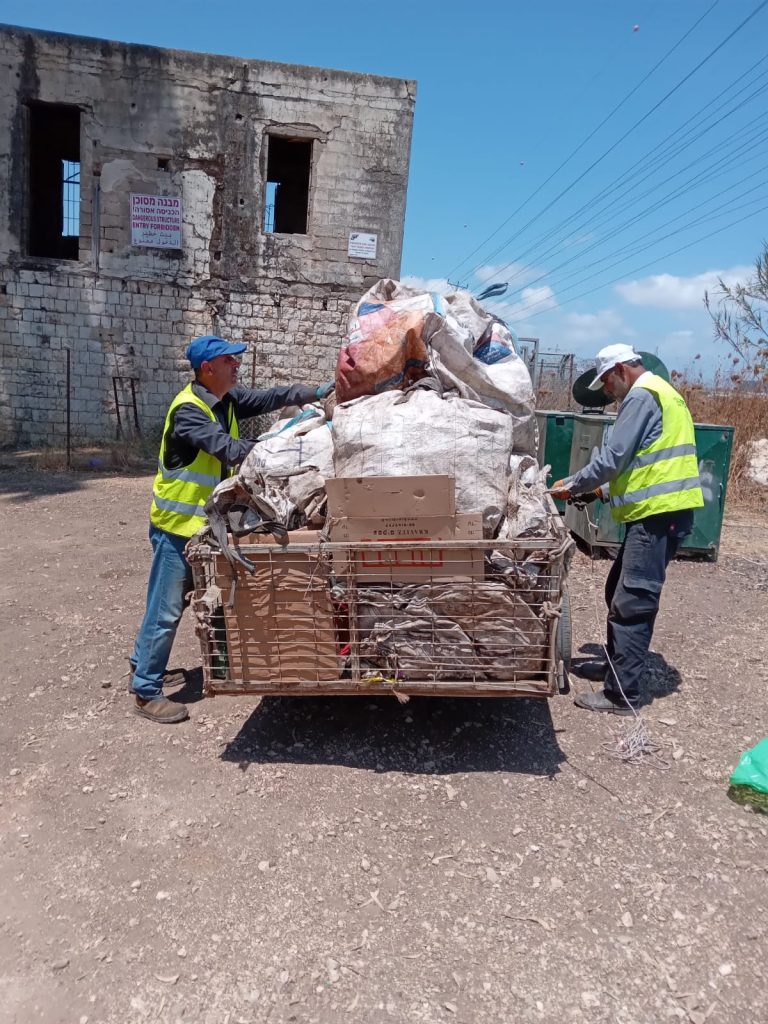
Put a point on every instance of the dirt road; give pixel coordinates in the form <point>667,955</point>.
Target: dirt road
<point>363,861</point>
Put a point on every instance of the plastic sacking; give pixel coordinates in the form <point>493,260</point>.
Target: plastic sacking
<point>301,442</point>
<point>420,433</point>
<point>526,511</point>
<point>384,349</point>
<point>398,334</point>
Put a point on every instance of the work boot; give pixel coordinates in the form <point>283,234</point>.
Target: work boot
<point>601,701</point>
<point>173,677</point>
<point>594,671</point>
<point>160,710</point>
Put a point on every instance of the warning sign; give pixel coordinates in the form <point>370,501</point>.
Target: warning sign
<point>156,221</point>
<point>362,245</point>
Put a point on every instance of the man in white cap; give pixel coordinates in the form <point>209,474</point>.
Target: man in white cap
<point>650,465</point>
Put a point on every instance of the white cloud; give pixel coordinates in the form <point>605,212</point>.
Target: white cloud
<point>680,349</point>
<point>591,328</point>
<point>531,300</point>
<point>428,284</point>
<point>667,291</point>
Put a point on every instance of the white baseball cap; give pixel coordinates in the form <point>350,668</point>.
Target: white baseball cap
<point>609,357</point>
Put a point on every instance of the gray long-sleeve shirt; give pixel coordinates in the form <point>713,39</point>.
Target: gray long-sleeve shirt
<point>638,424</point>
<point>193,430</point>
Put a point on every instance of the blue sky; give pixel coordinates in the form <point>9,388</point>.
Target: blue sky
<point>506,92</point>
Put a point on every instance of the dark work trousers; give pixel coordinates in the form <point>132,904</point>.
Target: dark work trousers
<point>633,592</point>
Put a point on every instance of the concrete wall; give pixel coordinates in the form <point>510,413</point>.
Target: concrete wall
<point>171,123</point>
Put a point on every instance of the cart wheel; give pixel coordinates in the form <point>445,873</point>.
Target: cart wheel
<point>563,646</point>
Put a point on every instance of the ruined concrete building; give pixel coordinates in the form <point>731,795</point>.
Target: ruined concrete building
<point>153,195</point>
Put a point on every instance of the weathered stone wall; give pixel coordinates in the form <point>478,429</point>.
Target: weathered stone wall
<point>189,125</point>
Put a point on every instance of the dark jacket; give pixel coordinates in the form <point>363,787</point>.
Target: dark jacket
<point>193,431</point>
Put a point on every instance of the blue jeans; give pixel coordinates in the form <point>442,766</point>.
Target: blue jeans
<point>633,592</point>
<point>170,579</point>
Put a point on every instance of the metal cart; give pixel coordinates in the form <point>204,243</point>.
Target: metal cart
<point>487,618</point>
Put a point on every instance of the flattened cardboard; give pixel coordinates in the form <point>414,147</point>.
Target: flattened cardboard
<point>408,564</point>
<point>294,537</point>
<point>377,496</point>
<point>467,526</point>
<point>281,628</point>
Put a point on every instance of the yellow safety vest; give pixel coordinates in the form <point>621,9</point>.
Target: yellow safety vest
<point>664,477</point>
<point>178,495</point>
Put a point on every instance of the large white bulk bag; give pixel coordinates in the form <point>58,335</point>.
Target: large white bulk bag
<point>418,433</point>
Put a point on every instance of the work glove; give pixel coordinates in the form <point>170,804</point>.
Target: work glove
<point>323,390</point>
<point>580,500</point>
<point>560,491</point>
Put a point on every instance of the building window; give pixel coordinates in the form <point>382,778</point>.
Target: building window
<point>54,180</point>
<point>286,197</point>
<point>71,199</point>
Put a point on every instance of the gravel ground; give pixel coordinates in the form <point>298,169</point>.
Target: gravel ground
<point>356,860</point>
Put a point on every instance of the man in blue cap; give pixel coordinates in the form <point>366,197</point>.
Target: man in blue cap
<point>201,443</point>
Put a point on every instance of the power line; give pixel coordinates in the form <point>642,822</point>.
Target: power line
<point>648,160</point>
<point>636,125</point>
<point>627,176</point>
<point>624,255</point>
<point>553,125</point>
<point>525,311</point>
<point>697,220</point>
<point>712,172</point>
<point>635,270</point>
<point>591,135</point>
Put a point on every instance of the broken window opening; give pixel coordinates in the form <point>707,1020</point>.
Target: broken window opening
<point>286,197</point>
<point>269,207</point>
<point>71,199</point>
<point>54,181</point>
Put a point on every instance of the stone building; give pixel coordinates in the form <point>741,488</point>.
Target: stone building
<point>153,195</point>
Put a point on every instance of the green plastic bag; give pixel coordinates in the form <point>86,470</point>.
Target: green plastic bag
<point>749,782</point>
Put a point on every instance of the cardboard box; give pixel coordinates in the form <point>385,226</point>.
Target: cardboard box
<point>408,564</point>
<point>281,628</point>
<point>405,527</point>
<point>377,496</point>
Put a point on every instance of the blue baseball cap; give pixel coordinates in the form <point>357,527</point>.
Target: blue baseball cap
<point>209,346</point>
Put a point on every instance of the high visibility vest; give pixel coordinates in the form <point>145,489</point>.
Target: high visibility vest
<point>178,495</point>
<point>664,477</point>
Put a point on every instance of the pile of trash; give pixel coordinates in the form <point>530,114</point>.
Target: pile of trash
<point>398,335</point>
<point>448,631</point>
<point>425,385</point>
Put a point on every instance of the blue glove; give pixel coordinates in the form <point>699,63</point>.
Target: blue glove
<point>323,390</point>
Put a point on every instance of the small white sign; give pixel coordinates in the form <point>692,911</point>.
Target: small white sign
<point>362,245</point>
<point>156,221</point>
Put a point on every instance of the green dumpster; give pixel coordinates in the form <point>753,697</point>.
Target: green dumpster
<point>594,524</point>
<point>714,447</point>
<point>555,439</point>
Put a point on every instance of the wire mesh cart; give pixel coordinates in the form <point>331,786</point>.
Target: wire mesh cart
<point>483,618</point>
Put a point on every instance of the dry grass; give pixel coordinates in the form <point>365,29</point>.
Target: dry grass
<point>731,404</point>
